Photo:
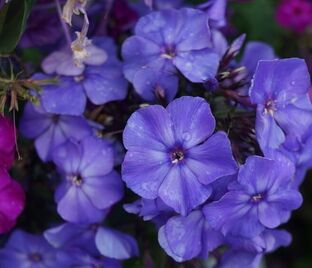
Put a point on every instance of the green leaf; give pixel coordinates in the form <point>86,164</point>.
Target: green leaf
<point>13,18</point>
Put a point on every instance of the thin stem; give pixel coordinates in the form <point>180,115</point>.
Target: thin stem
<point>64,25</point>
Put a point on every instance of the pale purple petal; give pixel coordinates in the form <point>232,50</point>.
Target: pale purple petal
<point>255,51</point>
<point>184,236</point>
<point>182,191</point>
<point>67,157</point>
<point>115,244</point>
<point>34,121</point>
<point>150,84</point>
<point>269,134</point>
<point>104,191</point>
<point>212,159</point>
<point>193,120</point>
<point>197,65</point>
<point>194,32</point>
<point>105,83</point>
<point>144,170</point>
<point>97,157</point>
<point>76,207</point>
<point>149,127</point>
<point>269,215</point>
<point>66,97</point>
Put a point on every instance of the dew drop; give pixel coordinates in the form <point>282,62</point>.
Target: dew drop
<point>186,136</point>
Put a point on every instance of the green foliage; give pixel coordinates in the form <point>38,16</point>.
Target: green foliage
<point>13,17</point>
<point>256,19</point>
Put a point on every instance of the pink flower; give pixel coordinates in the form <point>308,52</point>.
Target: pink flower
<point>12,201</point>
<point>294,14</point>
<point>7,142</point>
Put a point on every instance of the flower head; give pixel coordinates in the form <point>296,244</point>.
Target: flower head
<point>279,88</point>
<point>294,14</point>
<point>27,250</point>
<point>173,153</point>
<point>165,42</point>
<point>90,186</point>
<point>101,84</point>
<point>261,198</point>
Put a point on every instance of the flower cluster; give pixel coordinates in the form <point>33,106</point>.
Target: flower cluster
<point>212,149</point>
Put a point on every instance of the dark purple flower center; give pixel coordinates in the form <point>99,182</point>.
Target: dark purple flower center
<point>177,156</point>
<point>169,52</point>
<point>77,180</point>
<point>35,257</point>
<point>257,198</point>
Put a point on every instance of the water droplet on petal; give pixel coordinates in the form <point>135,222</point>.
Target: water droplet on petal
<point>186,136</point>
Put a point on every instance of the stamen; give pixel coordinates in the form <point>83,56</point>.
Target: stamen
<point>176,157</point>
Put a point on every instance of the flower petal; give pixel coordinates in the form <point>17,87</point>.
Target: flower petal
<point>213,159</point>
<point>144,170</point>
<point>192,120</point>
<point>182,191</point>
<point>149,127</point>
<point>197,65</point>
<point>116,245</point>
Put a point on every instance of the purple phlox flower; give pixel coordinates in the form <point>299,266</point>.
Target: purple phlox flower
<point>27,250</point>
<point>155,210</point>
<point>185,238</point>
<point>261,198</point>
<point>43,28</point>
<point>165,42</point>
<point>101,84</point>
<point>279,88</point>
<point>62,62</point>
<point>216,10</point>
<point>90,185</point>
<point>173,153</point>
<point>107,242</point>
<point>50,130</point>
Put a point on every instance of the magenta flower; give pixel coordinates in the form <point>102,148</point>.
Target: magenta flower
<point>7,142</point>
<point>294,14</point>
<point>12,201</point>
